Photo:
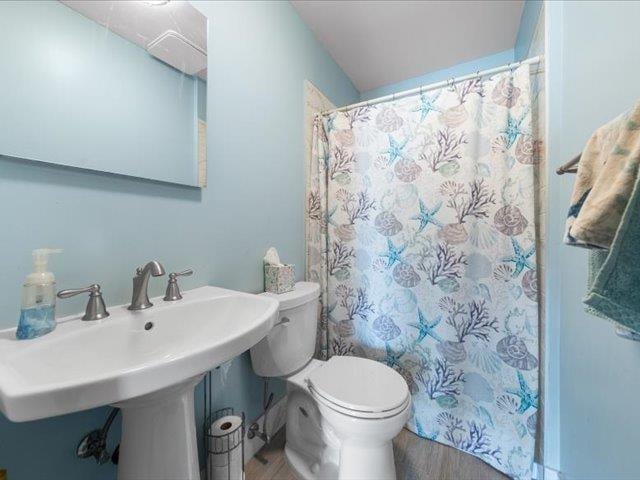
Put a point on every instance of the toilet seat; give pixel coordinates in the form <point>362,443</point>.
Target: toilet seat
<point>359,387</point>
<point>357,413</point>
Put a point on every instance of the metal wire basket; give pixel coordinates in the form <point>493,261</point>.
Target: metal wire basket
<point>222,449</point>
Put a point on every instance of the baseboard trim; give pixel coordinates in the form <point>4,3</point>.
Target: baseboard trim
<point>540,472</point>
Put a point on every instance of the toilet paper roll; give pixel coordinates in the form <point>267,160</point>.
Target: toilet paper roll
<point>225,449</point>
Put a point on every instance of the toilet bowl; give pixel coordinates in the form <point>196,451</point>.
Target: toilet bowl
<point>342,414</point>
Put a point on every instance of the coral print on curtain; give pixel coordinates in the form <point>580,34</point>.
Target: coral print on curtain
<point>420,224</point>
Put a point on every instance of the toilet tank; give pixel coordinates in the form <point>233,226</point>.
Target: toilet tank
<point>290,344</point>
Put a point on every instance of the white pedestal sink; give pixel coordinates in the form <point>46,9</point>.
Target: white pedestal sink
<point>146,362</point>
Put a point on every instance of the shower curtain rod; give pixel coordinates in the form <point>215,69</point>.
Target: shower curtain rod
<point>433,86</point>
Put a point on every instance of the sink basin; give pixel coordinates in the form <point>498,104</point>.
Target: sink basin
<point>145,362</point>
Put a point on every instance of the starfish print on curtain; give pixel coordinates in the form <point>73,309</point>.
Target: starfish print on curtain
<point>421,233</point>
<point>427,105</point>
<point>427,216</point>
<point>425,328</point>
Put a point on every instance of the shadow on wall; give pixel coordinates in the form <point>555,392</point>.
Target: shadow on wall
<point>37,173</point>
<point>38,436</point>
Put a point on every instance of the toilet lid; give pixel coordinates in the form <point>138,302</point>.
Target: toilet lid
<point>359,384</point>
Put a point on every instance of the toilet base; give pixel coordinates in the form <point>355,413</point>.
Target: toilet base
<point>305,468</point>
<point>367,462</point>
<point>357,463</point>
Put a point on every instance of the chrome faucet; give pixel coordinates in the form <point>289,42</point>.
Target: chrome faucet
<point>95,309</point>
<point>140,297</point>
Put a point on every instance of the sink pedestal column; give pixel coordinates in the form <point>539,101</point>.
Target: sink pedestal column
<point>159,435</point>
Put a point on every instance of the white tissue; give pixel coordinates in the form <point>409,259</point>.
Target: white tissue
<point>272,257</point>
<point>225,466</point>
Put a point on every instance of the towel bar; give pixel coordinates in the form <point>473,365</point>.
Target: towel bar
<point>570,167</point>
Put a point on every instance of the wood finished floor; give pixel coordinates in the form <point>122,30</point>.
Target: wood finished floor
<point>416,459</point>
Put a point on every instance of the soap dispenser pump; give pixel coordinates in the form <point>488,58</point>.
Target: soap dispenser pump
<point>37,313</point>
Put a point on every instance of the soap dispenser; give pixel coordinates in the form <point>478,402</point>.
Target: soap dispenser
<point>37,314</point>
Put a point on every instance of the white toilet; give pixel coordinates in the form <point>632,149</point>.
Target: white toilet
<point>341,414</point>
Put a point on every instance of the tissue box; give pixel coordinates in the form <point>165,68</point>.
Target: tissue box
<point>278,279</point>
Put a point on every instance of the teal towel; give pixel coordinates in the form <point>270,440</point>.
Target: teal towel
<point>596,260</point>
<point>615,291</point>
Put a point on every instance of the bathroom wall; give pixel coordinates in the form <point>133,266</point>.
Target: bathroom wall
<point>530,42</point>
<point>522,48</point>
<point>50,44</point>
<point>260,53</point>
<point>466,68</point>
<point>529,24</point>
<point>592,77</point>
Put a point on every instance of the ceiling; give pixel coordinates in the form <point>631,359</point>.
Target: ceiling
<point>141,21</point>
<point>378,43</point>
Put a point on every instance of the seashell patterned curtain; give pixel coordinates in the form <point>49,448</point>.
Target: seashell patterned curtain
<point>421,233</point>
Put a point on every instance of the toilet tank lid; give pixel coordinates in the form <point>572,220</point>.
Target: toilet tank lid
<point>302,293</point>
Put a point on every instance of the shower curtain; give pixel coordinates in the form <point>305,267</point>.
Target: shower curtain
<point>421,233</point>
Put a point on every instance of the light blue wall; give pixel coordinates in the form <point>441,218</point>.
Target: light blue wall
<point>466,68</point>
<point>528,22</point>
<point>85,97</point>
<point>593,76</point>
<point>554,250</point>
<point>259,56</point>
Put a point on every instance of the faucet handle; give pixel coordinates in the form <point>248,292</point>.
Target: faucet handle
<point>185,273</point>
<point>173,290</point>
<point>95,309</point>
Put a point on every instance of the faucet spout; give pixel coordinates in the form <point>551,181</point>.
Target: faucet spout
<point>140,297</point>
<point>154,267</point>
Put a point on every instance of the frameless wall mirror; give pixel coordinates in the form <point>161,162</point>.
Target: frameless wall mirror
<point>113,86</point>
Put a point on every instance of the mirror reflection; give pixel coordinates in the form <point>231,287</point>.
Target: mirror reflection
<point>112,86</point>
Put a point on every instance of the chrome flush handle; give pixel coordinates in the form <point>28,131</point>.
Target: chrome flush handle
<point>284,322</point>
<point>95,309</point>
<point>173,289</point>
